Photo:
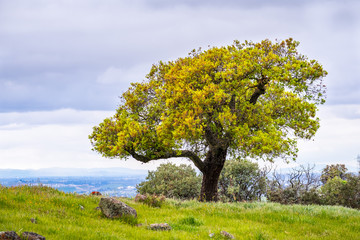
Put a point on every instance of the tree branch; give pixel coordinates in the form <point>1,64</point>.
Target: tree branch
<point>257,93</point>
<point>172,154</point>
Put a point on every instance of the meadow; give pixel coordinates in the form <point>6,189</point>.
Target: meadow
<point>69,216</point>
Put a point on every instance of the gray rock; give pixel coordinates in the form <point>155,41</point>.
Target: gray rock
<point>226,234</point>
<point>113,208</point>
<point>32,236</point>
<point>160,226</point>
<point>9,235</point>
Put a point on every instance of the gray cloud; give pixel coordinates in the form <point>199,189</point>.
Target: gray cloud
<point>83,54</point>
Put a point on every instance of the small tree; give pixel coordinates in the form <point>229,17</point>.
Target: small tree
<point>332,171</point>
<point>172,181</point>
<point>242,180</point>
<point>244,100</point>
<point>332,189</point>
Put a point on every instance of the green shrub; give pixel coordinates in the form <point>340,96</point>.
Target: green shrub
<point>331,191</point>
<point>342,192</point>
<point>350,193</point>
<point>172,181</point>
<point>241,180</point>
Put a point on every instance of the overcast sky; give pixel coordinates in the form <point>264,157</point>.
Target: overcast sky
<point>64,64</point>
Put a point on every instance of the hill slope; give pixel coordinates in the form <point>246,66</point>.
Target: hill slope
<point>59,216</point>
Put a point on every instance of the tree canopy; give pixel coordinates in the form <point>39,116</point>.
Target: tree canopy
<point>244,100</point>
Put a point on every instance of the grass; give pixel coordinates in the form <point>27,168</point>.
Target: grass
<point>59,215</point>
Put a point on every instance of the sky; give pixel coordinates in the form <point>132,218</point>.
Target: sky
<point>64,64</point>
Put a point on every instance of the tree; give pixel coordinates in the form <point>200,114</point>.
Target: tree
<point>340,187</point>
<point>244,100</point>
<point>332,171</point>
<point>172,181</point>
<point>242,180</point>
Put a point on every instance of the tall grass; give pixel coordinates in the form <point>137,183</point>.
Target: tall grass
<point>62,215</point>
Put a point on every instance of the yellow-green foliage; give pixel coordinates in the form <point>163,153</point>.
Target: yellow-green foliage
<point>59,216</point>
<point>256,96</point>
<point>245,100</point>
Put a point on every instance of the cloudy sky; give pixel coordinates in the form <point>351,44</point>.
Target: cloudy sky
<point>64,64</point>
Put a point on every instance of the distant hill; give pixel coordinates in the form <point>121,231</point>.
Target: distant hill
<point>71,172</point>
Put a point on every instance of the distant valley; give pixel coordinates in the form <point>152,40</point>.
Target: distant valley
<point>112,182</point>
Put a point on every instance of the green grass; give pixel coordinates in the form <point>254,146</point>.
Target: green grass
<point>59,216</point>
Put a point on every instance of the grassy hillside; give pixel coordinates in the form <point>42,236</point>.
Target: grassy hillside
<point>59,216</point>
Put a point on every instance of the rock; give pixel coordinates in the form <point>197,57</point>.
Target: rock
<point>113,208</point>
<point>160,226</point>
<point>211,235</point>
<point>32,236</point>
<point>9,235</point>
<point>33,220</point>
<point>226,234</point>
<point>81,207</point>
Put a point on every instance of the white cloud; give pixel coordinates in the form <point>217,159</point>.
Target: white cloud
<point>60,139</point>
<point>55,139</point>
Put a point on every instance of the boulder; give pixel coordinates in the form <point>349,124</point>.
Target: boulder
<point>160,226</point>
<point>9,235</point>
<point>32,236</point>
<point>113,208</point>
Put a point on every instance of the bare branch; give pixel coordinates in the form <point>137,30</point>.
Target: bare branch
<point>172,154</point>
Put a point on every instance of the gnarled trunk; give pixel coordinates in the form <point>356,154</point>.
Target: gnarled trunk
<point>214,163</point>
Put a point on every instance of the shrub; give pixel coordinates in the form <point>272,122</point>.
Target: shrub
<point>150,200</point>
<point>241,180</point>
<point>331,191</point>
<point>350,193</point>
<point>172,181</point>
<point>299,186</point>
<point>342,192</point>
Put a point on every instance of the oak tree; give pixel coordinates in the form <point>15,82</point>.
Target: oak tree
<point>244,100</point>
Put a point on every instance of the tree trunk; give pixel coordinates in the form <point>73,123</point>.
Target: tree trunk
<point>214,163</point>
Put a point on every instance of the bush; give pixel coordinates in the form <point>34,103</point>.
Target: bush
<point>351,192</point>
<point>172,181</point>
<point>331,191</point>
<point>342,192</point>
<point>241,180</point>
<point>150,200</point>
<point>299,186</point>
